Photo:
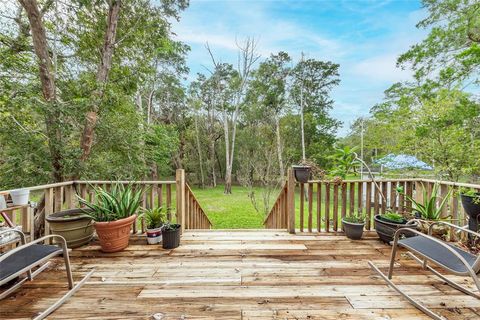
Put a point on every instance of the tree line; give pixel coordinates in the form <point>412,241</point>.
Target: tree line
<point>99,90</point>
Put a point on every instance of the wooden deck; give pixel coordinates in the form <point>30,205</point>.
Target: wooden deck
<point>264,274</point>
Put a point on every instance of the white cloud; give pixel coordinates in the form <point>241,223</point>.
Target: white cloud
<point>381,68</point>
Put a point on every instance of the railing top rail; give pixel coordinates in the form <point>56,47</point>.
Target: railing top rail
<point>366,180</point>
<point>449,183</point>
<point>68,183</point>
<point>42,187</point>
<point>123,182</point>
<point>453,184</point>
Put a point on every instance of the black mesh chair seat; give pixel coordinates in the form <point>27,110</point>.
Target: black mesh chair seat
<point>439,254</point>
<point>25,258</point>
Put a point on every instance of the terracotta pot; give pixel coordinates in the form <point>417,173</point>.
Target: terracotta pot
<point>114,235</point>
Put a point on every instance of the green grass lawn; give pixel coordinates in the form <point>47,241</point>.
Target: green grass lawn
<point>233,211</point>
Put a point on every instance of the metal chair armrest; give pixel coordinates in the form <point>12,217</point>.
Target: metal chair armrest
<point>22,235</point>
<point>452,226</point>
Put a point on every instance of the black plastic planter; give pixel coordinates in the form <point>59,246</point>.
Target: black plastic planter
<point>302,173</point>
<point>171,238</point>
<point>386,228</point>
<point>472,209</point>
<point>353,231</point>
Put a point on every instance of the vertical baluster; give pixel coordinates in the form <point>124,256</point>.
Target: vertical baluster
<point>319,206</point>
<point>169,202</point>
<point>344,200</point>
<point>360,198</point>
<point>58,199</point>
<point>160,196</point>
<point>408,205</point>
<point>302,199</point>
<point>385,195</point>
<point>335,207</point>
<point>352,198</point>
<point>151,199</point>
<point>401,198</point>
<point>376,198</point>
<point>443,195</point>
<point>368,204</point>
<point>310,206</point>
<point>49,208</point>
<point>327,206</point>
<point>393,196</point>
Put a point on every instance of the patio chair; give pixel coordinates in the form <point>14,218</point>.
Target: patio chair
<point>424,249</point>
<point>28,256</point>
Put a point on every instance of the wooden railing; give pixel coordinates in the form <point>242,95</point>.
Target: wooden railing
<point>195,217</point>
<point>62,196</point>
<point>322,204</point>
<point>277,218</point>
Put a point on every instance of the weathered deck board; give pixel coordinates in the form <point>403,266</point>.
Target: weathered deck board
<point>240,275</point>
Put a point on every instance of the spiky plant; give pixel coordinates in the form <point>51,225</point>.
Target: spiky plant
<point>118,203</point>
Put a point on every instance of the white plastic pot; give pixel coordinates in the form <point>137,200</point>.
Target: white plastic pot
<point>20,196</point>
<point>3,203</point>
<point>154,236</point>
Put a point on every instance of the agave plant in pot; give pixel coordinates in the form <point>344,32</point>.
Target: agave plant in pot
<point>430,209</point>
<point>154,218</point>
<point>113,213</point>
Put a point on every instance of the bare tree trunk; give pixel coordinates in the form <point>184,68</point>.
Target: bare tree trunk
<point>141,128</point>
<point>301,119</point>
<point>228,155</point>
<point>279,147</point>
<point>212,162</point>
<point>199,150</point>
<point>104,67</point>
<point>47,79</point>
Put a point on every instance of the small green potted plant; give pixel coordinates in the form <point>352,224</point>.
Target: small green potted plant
<point>113,213</point>
<point>388,223</point>
<point>170,235</point>
<point>154,218</point>
<point>353,226</point>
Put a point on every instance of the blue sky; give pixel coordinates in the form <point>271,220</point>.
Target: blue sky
<point>364,37</point>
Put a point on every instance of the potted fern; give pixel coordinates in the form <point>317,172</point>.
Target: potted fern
<point>154,218</point>
<point>113,213</point>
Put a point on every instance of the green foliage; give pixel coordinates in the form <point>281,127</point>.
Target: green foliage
<point>170,226</point>
<point>451,49</point>
<point>470,192</point>
<point>354,219</point>
<point>428,209</point>
<point>118,203</point>
<point>392,216</point>
<point>345,161</point>
<point>154,217</point>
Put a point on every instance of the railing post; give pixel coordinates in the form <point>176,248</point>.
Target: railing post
<point>180,192</point>
<point>290,201</point>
